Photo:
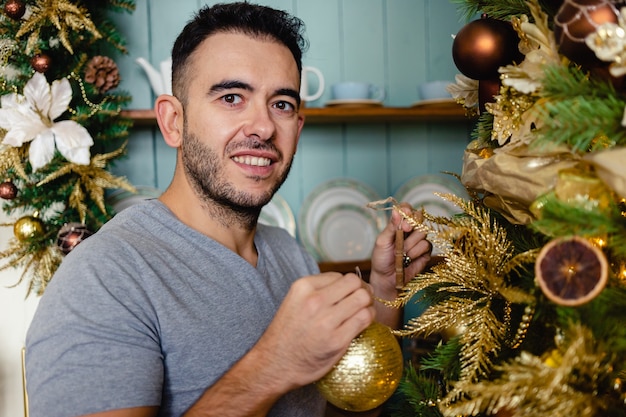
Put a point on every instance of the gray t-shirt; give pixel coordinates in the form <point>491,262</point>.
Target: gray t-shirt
<point>148,311</point>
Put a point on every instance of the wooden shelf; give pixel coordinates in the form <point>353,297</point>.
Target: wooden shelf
<point>327,115</point>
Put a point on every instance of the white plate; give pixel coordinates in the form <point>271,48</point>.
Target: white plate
<point>277,213</point>
<point>354,102</point>
<point>434,101</point>
<point>347,232</point>
<point>324,198</point>
<point>420,193</point>
<point>122,199</point>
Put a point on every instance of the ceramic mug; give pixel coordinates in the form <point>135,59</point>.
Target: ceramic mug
<point>434,89</point>
<point>305,95</point>
<point>353,90</point>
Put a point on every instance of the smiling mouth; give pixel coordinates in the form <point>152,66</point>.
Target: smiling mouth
<point>252,160</point>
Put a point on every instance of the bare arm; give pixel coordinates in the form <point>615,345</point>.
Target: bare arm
<point>311,331</point>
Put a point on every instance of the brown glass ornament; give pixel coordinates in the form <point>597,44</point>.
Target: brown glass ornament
<point>15,9</point>
<point>482,46</point>
<point>41,63</point>
<point>28,227</point>
<point>576,19</point>
<point>487,90</point>
<point>70,235</point>
<point>8,190</point>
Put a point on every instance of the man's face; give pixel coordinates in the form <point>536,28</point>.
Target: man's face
<point>241,122</point>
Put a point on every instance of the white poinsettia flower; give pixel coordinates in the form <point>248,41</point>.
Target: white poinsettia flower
<point>31,118</point>
<point>464,90</point>
<point>540,50</point>
<point>608,42</point>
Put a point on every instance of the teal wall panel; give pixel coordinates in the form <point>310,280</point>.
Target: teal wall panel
<point>322,19</point>
<point>406,48</point>
<point>394,43</point>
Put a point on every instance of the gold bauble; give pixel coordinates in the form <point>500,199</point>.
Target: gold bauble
<point>579,187</point>
<point>28,227</point>
<point>367,374</point>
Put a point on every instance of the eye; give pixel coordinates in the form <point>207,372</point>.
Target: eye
<point>285,106</point>
<point>232,99</point>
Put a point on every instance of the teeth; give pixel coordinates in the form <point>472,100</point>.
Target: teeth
<point>252,160</point>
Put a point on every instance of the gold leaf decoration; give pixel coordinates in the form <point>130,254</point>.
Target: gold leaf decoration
<point>544,387</point>
<point>63,15</point>
<point>37,262</point>
<point>11,159</point>
<point>478,260</point>
<point>92,180</point>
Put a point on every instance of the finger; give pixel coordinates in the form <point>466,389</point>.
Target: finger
<point>415,239</point>
<point>346,286</point>
<point>421,248</point>
<point>323,279</point>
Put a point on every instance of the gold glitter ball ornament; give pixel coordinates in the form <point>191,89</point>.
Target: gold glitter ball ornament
<point>367,374</point>
<point>28,227</point>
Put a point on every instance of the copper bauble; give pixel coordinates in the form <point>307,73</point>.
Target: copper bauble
<point>15,9</point>
<point>41,63</point>
<point>576,19</point>
<point>28,227</point>
<point>367,374</point>
<point>70,235</point>
<point>487,90</point>
<point>483,46</point>
<point>8,190</point>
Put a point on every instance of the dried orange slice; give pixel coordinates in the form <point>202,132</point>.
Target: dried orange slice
<point>571,271</point>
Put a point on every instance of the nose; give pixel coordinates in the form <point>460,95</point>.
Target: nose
<point>260,122</point>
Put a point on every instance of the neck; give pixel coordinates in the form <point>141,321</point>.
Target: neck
<point>235,229</point>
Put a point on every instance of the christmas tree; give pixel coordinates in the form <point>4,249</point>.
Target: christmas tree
<point>61,127</point>
<point>528,304</point>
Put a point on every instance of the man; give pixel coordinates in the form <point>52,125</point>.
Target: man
<point>185,305</point>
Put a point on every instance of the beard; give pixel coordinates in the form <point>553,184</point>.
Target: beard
<point>230,205</point>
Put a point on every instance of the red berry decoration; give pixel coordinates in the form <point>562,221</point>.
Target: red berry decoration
<point>483,46</point>
<point>15,9</point>
<point>41,63</point>
<point>575,20</point>
<point>70,235</point>
<point>8,190</point>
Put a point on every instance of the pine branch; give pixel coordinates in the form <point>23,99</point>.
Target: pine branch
<point>419,392</point>
<point>561,218</point>
<point>569,93</point>
<point>503,9</point>
<point>445,359</point>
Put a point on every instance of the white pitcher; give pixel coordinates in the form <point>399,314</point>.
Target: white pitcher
<point>305,95</point>
<point>160,80</point>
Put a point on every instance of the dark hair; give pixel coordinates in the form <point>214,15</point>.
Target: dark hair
<point>239,17</point>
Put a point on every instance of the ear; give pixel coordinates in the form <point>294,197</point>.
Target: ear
<point>169,115</point>
<point>301,118</point>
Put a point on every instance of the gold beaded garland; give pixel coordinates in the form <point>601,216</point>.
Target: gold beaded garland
<point>368,373</point>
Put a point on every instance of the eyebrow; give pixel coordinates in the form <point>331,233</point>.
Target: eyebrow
<point>290,93</point>
<point>230,84</point>
<point>227,85</point>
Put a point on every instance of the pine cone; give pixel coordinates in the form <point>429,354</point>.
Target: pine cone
<point>102,72</point>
